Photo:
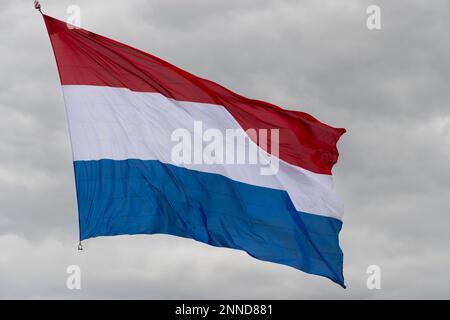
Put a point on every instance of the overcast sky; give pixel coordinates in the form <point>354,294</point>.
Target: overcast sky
<point>389,88</point>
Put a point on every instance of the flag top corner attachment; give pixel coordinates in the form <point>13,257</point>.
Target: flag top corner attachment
<point>37,6</point>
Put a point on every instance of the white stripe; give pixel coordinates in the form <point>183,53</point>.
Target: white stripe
<point>118,124</point>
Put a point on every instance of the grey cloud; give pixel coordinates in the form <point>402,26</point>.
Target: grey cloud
<point>387,87</point>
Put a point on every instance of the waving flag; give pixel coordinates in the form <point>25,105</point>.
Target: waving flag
<point>123,108</point>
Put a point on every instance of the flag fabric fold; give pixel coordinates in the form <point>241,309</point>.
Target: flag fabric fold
<point>123,106</point>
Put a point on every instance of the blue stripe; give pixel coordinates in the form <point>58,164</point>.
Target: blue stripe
<point>147,197</point>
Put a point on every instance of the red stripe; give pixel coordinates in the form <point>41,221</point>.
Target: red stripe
<point>85,58</point>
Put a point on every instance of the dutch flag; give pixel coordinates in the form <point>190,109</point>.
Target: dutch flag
<point>130,118</point>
